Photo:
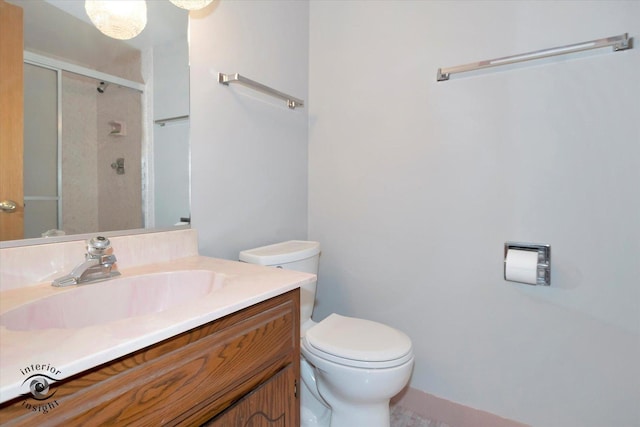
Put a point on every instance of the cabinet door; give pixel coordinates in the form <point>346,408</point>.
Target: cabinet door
<point>273,404</point>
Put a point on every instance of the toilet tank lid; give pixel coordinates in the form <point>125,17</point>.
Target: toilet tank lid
<point>281,253</point>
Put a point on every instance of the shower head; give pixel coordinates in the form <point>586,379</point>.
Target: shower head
<point>102,87</point>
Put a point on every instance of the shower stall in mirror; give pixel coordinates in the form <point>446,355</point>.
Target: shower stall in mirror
<point>82,153</point>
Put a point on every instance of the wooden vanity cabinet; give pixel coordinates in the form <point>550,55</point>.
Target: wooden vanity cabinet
<point>240,370</point>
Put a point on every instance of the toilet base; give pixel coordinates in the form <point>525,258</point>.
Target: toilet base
<point>365,415</point>
<point>316,412</point>
<point>310,419</point>
<point>313,412</point>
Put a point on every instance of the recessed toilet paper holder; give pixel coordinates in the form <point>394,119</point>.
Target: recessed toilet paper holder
<point>543,273</point>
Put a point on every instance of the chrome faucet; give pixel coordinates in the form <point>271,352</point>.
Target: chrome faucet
<point>97,265</point>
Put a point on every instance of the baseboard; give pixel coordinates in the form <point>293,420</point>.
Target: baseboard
<point>454,414</point>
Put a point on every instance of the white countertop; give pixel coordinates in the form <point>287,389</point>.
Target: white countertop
<point>71,351</point>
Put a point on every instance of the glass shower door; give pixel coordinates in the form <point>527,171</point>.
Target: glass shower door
<point>42,210</point>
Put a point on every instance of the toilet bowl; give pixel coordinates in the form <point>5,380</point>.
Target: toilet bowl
<point>350,367</point>
<point>359,366</point>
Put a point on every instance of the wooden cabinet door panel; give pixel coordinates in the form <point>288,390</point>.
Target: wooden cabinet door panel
<point>270,405</point>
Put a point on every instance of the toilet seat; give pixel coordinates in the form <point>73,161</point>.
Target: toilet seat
<point>357,342</point>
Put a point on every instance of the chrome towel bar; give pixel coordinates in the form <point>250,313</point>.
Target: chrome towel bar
<point>292,102</point>
<point>163,122</point>
<point>621,42</point>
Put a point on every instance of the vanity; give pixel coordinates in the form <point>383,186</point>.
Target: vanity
<point>226,354</point>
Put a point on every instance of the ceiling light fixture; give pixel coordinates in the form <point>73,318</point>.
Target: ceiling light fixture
<point>119,19</point>
<point>125,19</point>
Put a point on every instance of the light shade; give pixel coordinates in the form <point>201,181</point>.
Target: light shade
<point>191,4</point>
<point>120,19</point>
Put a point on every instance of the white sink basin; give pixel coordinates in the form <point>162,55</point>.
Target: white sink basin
<point>115,299</point>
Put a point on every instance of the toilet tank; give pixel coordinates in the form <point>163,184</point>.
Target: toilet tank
<point>298,255</point>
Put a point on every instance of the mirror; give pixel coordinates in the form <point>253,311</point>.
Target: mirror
<point>112,164</point>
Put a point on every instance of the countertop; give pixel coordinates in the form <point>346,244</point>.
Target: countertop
<point>66,352</point>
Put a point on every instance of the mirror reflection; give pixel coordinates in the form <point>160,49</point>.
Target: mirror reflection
<point>101,163</point>
<point>106,122</point>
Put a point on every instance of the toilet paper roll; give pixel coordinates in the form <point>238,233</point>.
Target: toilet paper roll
<point>521,266</point>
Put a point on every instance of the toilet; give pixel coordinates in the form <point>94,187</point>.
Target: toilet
<point>350,367</point>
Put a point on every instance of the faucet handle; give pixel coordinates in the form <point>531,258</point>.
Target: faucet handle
<point>98,245</point>
<point>108,260</point>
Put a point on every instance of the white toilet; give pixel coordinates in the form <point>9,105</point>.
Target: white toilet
<point>350,367</point>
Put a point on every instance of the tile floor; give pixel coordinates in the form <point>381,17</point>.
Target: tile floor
<point>402,417</point>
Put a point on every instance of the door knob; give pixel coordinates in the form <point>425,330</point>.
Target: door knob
<point>7,206</point>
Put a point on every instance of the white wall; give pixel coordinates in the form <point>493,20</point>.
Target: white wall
<point>415,185</point>
<point>248,150</point>
<point>171,141</point>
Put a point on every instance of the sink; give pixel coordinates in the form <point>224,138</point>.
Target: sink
<point>112,300</point>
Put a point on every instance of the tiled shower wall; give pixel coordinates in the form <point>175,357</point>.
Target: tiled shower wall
<point>120,196</point>
<point>79,156</point>
<point>95,197</point>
